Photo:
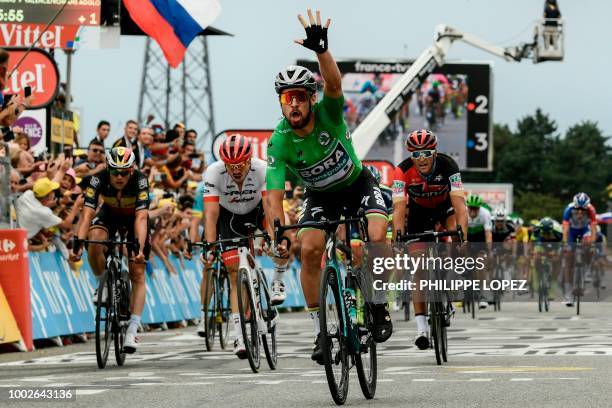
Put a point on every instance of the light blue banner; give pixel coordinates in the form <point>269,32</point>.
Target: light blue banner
<point>62,298</point>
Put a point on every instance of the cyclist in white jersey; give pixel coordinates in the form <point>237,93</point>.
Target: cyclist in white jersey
<point>234,196</point>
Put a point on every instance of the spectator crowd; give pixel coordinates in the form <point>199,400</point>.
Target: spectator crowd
<point>47,193</point>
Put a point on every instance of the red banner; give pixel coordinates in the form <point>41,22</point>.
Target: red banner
<point>38,71</point>
<point>15,279</point>
<point>24,35</point>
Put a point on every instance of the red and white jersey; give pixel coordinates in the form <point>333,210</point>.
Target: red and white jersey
<point>220,187</point>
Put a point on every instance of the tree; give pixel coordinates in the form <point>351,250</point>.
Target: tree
<point>532,205</point>
<point>545,169</point>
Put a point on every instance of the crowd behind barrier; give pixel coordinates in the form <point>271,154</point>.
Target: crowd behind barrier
<point>61,298</point>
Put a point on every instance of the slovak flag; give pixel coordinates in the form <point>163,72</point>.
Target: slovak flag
<point>173,23</point>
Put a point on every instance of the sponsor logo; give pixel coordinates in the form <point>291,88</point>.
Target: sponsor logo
<point>455,181</point>
<point>207,184</point>
<point>380,201</point>
<point>347,134</point>
<point>24,35</point>
<point>143,195</point>
<point>143,184</point>
<point>38,70</point>
<point>315,210</point>
<point>89,192</point>
<point>332,169</point>
<point>438,177</point>
<point>271,161</point>
<point>8,245</point>
<point>94,181</point>
<point>365,201</point>
<point>324,138</point>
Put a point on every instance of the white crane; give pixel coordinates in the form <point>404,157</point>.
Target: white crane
<point>547,45</point>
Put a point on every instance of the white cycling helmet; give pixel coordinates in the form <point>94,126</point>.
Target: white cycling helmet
<point>499,214</point>
<point>295,76</point>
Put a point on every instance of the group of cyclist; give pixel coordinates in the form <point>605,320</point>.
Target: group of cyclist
<point>313,142</point>
<point>545,237</point>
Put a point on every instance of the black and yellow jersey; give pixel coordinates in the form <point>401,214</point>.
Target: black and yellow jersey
<point>134,197</point>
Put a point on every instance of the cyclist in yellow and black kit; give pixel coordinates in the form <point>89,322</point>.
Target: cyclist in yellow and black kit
<point>124,192</point>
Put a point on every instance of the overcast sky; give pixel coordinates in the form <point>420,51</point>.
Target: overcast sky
<point>106,83</point>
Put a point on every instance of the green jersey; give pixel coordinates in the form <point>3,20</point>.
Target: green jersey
<point>324,160</point>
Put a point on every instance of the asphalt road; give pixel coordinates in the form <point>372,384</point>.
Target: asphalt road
<point>513,358</point>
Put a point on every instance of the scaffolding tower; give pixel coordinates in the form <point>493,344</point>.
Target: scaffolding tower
<point>178,95</point>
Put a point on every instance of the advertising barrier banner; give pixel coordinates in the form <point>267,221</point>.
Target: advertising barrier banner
<point>9,332</point>
<point>15,279</point>
<point>62,298</point>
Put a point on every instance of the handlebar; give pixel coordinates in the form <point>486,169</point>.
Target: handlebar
<point>207,245</point>
<point>431,234</point>
<point>76,243</point>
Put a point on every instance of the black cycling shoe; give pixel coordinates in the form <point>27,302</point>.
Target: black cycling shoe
<point>383,326</point>
<point>317,352</point>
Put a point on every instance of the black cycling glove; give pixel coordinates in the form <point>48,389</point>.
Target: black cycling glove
<point>316,38</point>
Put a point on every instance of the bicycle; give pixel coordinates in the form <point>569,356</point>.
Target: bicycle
<point>345,319</point>
<point>258,318</point>
<point>498,275</point>
<point>217,309</point>
<point>440,309</point>
<point>579,272</point>
<point>543,270</point>
<point>112,314</point>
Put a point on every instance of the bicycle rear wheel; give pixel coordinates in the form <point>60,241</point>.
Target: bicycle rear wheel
<point>268,340</point>
<point>120,326</point>
<point>210,308</point>
<point>104,321</point>
<point>335,347</point>
<point>366,361</point>
<point>438,329</point>
<point>225,311</point>
<point>578,286</point>
<point>248,319</point>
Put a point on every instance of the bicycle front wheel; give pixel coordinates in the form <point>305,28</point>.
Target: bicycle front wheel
<point>248,319</point>
<point>366,361</point>
<point>104,321</point>
<point>269,313</point>
<point>333,342</point>
<point>225,311</point>
<point>210,309</point>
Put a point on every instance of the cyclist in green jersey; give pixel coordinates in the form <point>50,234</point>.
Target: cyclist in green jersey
<point>313,142</point>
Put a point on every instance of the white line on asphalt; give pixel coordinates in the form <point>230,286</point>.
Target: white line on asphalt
<point>423,379</point>
<point>89,392</point>
<point>521,379</point>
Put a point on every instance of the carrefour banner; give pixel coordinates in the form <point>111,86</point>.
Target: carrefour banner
<point>62,298</point>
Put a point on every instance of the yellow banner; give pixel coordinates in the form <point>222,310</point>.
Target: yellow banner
<point>56,131</point>
<point>9,332</point>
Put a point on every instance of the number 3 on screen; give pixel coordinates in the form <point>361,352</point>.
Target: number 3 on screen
<point>481,142</point>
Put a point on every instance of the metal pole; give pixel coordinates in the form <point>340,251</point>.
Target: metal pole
<point>184,89</point>
<point>168,93</point>
<point>211,120</point>
<point>5,183</point>
<point>144,76</point>
<point>68,76</point>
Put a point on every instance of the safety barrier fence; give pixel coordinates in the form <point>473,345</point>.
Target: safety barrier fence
<point>61,298</point>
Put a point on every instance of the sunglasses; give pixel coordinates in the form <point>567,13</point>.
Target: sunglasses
<point>287,97</point>
<point>97,150</point>
<point>237,166</point>
<point>117,172</point>
<point>426,154</point>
